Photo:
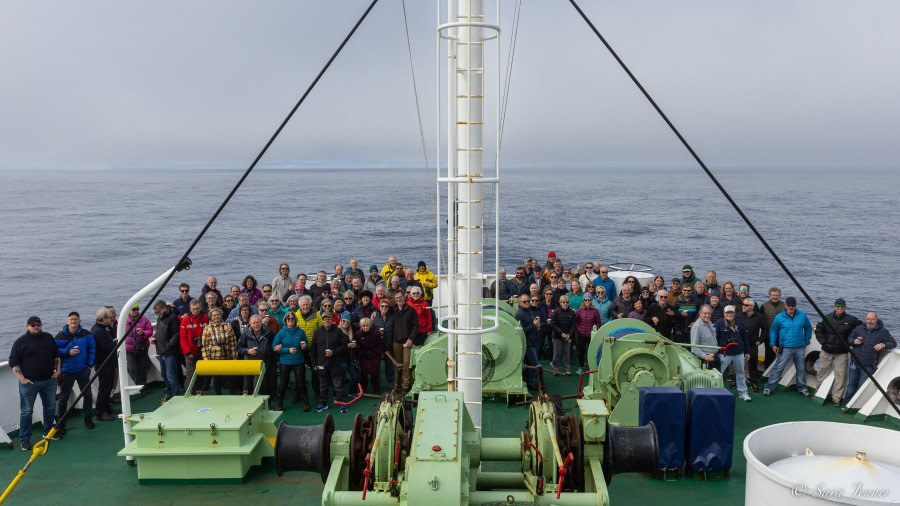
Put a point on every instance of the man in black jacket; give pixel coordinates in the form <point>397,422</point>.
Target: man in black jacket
<point>529,317</point>
<point>166,338</point>
<point>327,350</point>
<point>406,326</point>
<point>105,341</point>
<point>757,333</point>
<point>833,339</point>
<point>34,359</point>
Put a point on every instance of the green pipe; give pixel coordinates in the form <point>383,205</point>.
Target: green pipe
<point>501,448</point>
<point>525,497</point>
<point>491,480</point>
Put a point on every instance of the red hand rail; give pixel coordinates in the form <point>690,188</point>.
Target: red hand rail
<point>358,397</point>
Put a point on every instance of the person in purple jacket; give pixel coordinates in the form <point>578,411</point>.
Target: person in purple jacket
<point>137,342</point>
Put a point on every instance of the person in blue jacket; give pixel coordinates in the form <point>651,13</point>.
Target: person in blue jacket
<point>789,335</point>
<point>290,343</point>
<point>77,351</point>
<point>866,340</point>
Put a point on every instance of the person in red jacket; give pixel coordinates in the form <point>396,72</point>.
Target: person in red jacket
<point>191,331</point>
<point>417,302</point>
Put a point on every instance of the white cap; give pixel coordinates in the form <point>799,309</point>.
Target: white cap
<point>729,309</point>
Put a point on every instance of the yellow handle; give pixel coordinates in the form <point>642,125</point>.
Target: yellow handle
<point>228,367</point>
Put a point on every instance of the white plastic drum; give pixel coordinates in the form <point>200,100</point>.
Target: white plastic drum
<point>621,270</point>
<point>822,463</point>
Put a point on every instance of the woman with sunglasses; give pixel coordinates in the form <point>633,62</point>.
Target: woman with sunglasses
<point>563,324</point>
<point>383,322</point>
<point>587,318</point>
<point>290,343</point>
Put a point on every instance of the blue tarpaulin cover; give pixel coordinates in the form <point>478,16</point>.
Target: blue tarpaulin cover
<point>666,408</point>
<point>710,438</point>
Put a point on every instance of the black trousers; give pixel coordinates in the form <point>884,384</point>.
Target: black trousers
<point>331,376</point>
<point>106,380</point>
<point>68,381</point>
<point>299,371</point>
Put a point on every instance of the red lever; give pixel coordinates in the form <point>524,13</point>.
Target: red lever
<point>581,382</point>
<point>562,473</point>
<point>367,473</point>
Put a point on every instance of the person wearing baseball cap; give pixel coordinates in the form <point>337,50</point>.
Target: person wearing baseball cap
<point>832,334</point>
<point>328,346</point>
<point>789,336</point>
<point>733,339</point>
<point>34,359</point>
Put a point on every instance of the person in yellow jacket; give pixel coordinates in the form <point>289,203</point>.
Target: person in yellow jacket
<point>308,321</point>
<point>427,279</point>
<point>391,268</point>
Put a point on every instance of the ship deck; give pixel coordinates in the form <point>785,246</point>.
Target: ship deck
<point>83,467</point>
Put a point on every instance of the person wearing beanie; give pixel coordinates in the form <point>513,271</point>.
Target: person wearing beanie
<point>789,336</point>
<point>427,279</point>
<point>374,279</point>
<point>832,335</point>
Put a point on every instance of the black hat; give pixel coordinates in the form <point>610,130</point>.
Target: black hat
<point>840,301</point>
<point>790,301</point>
<point>34,319</point>
<point>74,313</point>
<point>365,293</point>
<point>687,267</point>
<point>421,263</point>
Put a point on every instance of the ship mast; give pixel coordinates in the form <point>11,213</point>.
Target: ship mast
<point>465,187</point>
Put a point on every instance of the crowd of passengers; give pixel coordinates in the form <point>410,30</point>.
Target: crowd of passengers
<point>349,327</point>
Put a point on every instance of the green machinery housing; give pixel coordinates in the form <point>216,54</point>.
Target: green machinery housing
<point>386,459</point>
<point>503,354</point>
<point>205,437</point>
<point>625,355</point>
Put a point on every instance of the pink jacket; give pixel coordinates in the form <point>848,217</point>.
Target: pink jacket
<point>586,320</point>
<point>143,324</point>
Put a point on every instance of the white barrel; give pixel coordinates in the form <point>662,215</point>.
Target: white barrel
<point>618,272</point>
<point>822,463</point>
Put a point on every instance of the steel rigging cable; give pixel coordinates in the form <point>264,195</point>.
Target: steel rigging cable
<point>184,262</point>
<point>737,208</point>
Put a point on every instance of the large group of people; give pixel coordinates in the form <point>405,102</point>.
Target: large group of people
<point>350,327</point>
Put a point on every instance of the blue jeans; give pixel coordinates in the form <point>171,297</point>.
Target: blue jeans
<point>787,354</point>
<point>738,362</point>
<point>27,394</point>
<point>531,358</point>
<point>855,378</point>
<point>168,367</point>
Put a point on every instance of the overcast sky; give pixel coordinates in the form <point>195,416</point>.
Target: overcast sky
<point>205,83</point>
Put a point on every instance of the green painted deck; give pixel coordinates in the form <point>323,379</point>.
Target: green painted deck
<point>84,468</point>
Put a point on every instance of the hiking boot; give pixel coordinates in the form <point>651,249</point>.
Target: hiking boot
<point>57,436</point>
<point>321,407</point>
<point>767,392</point>
<point>26,445</point>
<point>745,397</point>
<point>343,409</point>
<point>279,406</point>
<point>754,387</point>
<point>105,417</point>
<point>804,393</point>
<point>837,404</point>
<point>305,407</point>
<point>296,398</point>
<point>89,423</point>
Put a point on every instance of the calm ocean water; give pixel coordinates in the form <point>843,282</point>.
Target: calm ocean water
<point>76,240</point>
